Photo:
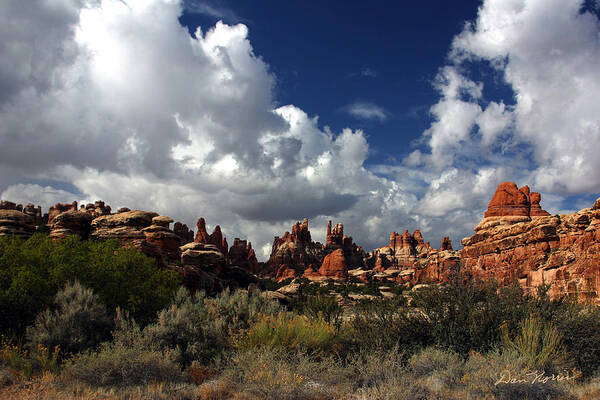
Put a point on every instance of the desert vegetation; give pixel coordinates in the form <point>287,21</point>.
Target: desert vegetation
<point>91,320</point>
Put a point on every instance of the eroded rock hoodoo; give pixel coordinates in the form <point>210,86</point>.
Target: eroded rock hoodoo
<point>517,240</point>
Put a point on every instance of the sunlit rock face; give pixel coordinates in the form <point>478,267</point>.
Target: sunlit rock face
<point>334,266</point>
<point>517,240</point>
<point>296,255</point>
<point>13,222</point>
<point>409,259</point>
<point>511,201</point>
<point>293,253</point>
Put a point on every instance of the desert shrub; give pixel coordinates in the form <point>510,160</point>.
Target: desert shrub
<point>505,375</point>
<point>323,307</point>
<point>200,328</point>
<point>271,373</point>
<point>437,364</point>
<point>7,377</point>
<point>465,317</point>
<point>386,325</point>
<point>579,327</point>
<point>369,368</point>
<point>15,357</point>
<point>185,325</point>
<point>539,345</point>
<point>269,284</point>
<point>198,373</point>
<point>78,322</point>
<point>233,311</point>
<point>33,270</point>
<point>291,332</point>
<point>118,365</point>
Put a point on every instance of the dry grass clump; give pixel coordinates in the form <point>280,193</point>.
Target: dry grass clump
<point>272,373</point>
<point>51,387</point>
<point>292,332</point>
<point>117,365</point>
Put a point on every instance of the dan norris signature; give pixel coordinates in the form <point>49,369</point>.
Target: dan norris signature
<point>535,377</point>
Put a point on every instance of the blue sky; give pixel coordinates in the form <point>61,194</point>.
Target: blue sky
<point>385,116</point>
<point>330,55</point>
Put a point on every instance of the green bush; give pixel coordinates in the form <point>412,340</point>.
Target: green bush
<point>465,317</point>
<point>387,325</point>
<point>323,307</point>
<point>32,271</point>
<point>579,327</point>
<point>78,322</point>
<point>539,344</point>
<point>118,365</point>
<point>200,328</point>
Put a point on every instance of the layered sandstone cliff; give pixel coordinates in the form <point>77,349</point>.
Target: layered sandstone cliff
<point>517,240</point>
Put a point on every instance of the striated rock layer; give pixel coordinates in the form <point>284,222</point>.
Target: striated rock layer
<point>535,249</point>
<point>13,222</point>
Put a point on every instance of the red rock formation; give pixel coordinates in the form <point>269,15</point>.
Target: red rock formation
<point>446,243</point>
<point>536,209</point>
<point>418,238</point>
<point>185,234</point>
<point>144,230</point>
<point>408,259</point>
<point>334,266</point>
<point>353,254</point>
<point>34,212</point>
<point>510,201</point>
<point>163,240</point>
<point>335,236</point>
<point>97,209</point>
<point>69,223</point>
<point>285,272</point>
<point>14,222</point>
<point>60,208</point>
<point>563,250</point>
<point>8,205</point>
<point>311,274</point>
<point>205,268</point>
<point>242,255</point>
<point>295,251</point>
<point>201,235</point>
<point>216,238</point>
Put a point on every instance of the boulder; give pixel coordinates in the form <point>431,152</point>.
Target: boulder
<point>71,222</point>
<point>13,222</point>
<point>125,226</point>
<point>205,268</point>
<point>334,266</point>
<point>59,208</point>
<point>161,239</point>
